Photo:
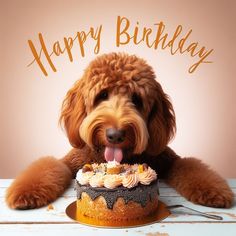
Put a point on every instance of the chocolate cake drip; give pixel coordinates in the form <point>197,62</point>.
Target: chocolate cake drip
<point>140,194</point>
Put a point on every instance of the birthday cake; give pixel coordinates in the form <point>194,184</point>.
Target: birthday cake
<point>111,191</point>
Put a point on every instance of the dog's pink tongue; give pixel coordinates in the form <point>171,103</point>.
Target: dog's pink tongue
<point>113,154</point>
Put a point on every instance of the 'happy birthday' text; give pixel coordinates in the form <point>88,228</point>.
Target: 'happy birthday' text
<point>153,37</point>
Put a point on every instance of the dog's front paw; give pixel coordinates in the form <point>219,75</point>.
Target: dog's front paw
<point>213,196</point>
<point>22,198</point>
<point>41,183</point>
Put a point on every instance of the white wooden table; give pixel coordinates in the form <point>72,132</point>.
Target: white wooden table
<point>55,222</point>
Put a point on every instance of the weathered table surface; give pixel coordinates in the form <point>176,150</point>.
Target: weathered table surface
<point>54,221</point>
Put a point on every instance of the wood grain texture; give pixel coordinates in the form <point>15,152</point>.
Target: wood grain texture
<point>45,221</point>
<point>161,229</point>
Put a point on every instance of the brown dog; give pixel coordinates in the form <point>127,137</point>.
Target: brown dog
<point>117,110</point>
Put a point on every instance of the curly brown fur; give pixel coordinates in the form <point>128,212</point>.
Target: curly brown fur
<point>42,182</point>
<point>118,91</point>
<point>195,181</point>
<point>119,75</point>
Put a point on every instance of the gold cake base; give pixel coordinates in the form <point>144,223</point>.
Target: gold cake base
<point>160,214</point>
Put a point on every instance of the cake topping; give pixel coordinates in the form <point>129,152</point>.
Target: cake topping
<point>146,177</point>
<point>83,178</point>
<point>111,196</point>
<point>140,169</point>
<point>130,180</point>
<point>97,180</point>
<point>112,181</point>
<point>145,166</point>
<point>111,164</point>
<point>87,167</point>
<point>114,167</point>
<point>112,174</point>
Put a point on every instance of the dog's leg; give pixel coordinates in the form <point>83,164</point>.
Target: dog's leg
<point>199,184</point>
<point>41,183</point>
<point>45,180</point>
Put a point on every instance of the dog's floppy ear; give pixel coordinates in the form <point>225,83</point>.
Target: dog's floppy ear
<point>73,113</point>
<point>161,122</point>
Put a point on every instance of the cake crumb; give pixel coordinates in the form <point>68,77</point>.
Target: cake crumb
<point>50,207</point>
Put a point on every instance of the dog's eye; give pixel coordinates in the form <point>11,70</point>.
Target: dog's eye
<point>137,101</point>
<point>102,96</point>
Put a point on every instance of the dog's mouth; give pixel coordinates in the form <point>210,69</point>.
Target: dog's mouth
<point>113,154</point>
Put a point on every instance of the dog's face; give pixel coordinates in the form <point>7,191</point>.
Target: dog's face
<point>119,108</point>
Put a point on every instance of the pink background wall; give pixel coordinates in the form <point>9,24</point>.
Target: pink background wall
<point>30,103</point>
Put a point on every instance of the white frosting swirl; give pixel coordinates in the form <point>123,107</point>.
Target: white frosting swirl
<point>130,181</point>
<point>112,181</point>
<point>129,176</point>
<point>97,180</point>
<point>83,178</point>
<point>111,164</point>
<point>147,176</point>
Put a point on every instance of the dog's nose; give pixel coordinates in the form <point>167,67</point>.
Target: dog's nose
<point>115,135</point>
